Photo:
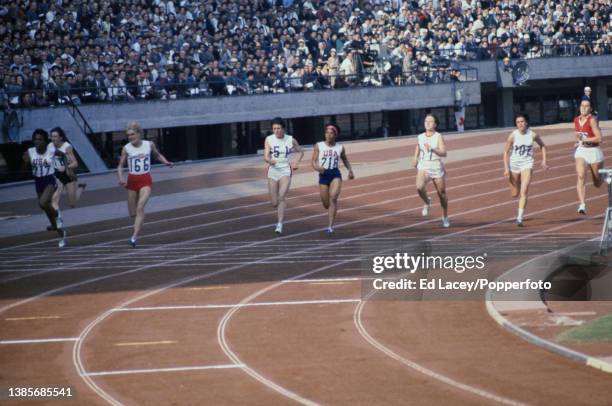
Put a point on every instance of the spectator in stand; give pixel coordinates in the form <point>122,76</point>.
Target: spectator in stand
<point>56,47</point>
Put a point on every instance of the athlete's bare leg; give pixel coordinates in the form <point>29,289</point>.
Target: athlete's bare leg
<point>515,184</point>
<point>597,178</point>
<point>581,168</point>
<point>143,197</point>
<point>525,181</point>
<point>440,184</point>
<point>283,188</point>
<point>421,185</point>
<point>334,192</point>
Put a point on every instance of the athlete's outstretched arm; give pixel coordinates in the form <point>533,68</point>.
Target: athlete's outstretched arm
<point>596,131</point>
<point>298,148</point>
<point>507,148</point>
<point>158,155</point>
<point>539,141</point>
<point>267,157</point>
<point>122,160</point>
<point>315,159</point>
<point>347,164</point>
<point>417,151</point>
<point>72,161</point>
<point>441,150</point>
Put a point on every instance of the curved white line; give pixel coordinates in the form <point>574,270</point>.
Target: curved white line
<point>78,346</point>
<point>357,320</point>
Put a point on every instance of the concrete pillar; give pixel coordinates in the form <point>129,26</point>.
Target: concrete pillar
<point>505,107</point>
<point>601,99</point>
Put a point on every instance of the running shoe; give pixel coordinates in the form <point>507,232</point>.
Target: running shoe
<point>133,242</point>
<point>279,228</point>
<point>62,241</point>
<point>329,231</point>
<point>425,211</point>
<point>582,208</point>
<point>445,222</point>
<point>519,221</point>
<point>51,228</point>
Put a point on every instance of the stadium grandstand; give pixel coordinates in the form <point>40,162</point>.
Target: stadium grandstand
<point>133,50</point>
<point>387,62</point>
<point>312,202</point>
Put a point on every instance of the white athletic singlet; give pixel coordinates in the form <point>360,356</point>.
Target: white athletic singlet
<point>329,157</point>
<point>42,164</point>
<point>61,160</point>
<point>433,141</point>
<point>280,149</point>
<point>522,147</point>
<point>139,159</point>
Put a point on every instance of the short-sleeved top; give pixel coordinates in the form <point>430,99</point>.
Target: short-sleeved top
<point>329,156</point>
<point>139,158</point>
<point>522,146</point>
<point>280,149</point>
<point>434,142</point>
<point>42,164</point>
<point>61,161</point>
<point>585,129</point>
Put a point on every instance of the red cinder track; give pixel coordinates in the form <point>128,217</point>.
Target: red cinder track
<point>213,308</point>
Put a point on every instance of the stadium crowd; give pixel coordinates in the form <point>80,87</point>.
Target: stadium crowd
<point>92,51</point>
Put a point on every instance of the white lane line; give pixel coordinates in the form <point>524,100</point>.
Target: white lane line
<point>357,320</point>
<point>160,370</point>
<point>76,354</point>
<point>350,279</point>
<point>144,343</point>
<point>229,306</point>
<point>349,187</point>
<point>221,335</point>
<point>115,257</point>
<point>28,318</point>
<point>77,349</point>
<point>39,341</point>
<point>366,219</point>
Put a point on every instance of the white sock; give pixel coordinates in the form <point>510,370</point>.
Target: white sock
<point>520,213</point>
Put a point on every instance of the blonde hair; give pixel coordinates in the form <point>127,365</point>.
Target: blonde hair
<point>134,126</point>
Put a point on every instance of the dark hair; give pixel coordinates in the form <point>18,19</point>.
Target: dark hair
<point>524,115</point>
<point>278,121</point>
<point>436,119</point>
<point>333,125</point>
<point>40,131</point>
<point>60,131</point>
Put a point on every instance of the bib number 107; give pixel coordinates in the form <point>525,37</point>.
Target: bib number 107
<point>139,165</point>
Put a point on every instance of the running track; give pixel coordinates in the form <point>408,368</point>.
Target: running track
<point>214,309</point>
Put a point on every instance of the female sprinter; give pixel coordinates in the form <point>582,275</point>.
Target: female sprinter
<point>65,164</point>
<point>276,154</point>
<point>589,156</point>
<point>325,159</point>
<point>519,167</point>
<point>428,155</point>
<point>41,158</point>
<point>137,153</point>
